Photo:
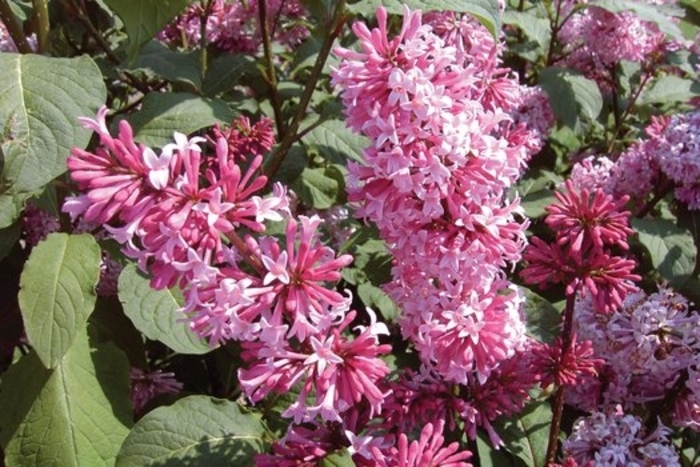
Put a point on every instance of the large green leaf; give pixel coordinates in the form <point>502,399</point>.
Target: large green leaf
<point>338,459</point>
<point>321,188</point>
<point>197,430</point>
<point>164,113</point>
<point>534,27</point>
<point>671,89</point>
<point>671,248</point>
<point>57,292</point>
<point>156,313</point>
<point>77,414</point>
<point>178,67</point>
<point>527,435</point>
<point>490,456</point>
<point>226,71</point>
<point>572,96</point>
<point>143,19</point>
<point>332,139</point>
<point>41,99</point>
<point>543,318</point>
<point>663,15</point>
<point>486,11</point>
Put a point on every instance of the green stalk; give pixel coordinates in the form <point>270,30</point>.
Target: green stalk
<point>558,402</point>
<point>41,21</point>
<point>273,164</point>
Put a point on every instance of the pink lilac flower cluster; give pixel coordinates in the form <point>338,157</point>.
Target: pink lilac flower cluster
<point>233,25</point>
<point>587,226</point>
<point>450,135</point>
<point>596,40</point>
<point>648,345</point>
<point>618,439</point>
<point>192,216</point>
<point>444,151</point>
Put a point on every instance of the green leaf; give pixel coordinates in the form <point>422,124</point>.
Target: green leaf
<point>333,140</point>
<point>8,238</point>
<point>162,114</point>
<point>486,11</point>
<point>41,99</point>
<point>671,248</point>
<point>534,27</point>
<point>527,434</point>
<point>338,459</point>
<point>225,72</point>
<point>77,414</point>
<point>664,16</point>
<point>489,456</point>
<point>671,89</point>
<point>197,430</point>
<point>57,292</point>
<point>572,96</point>
<point>320,188</point>
<point>543,318</point>
<point>156,313</point>
<point>177,67</point>
<point>144,19</point>
<point>293,165</point>
<point>375,298</point>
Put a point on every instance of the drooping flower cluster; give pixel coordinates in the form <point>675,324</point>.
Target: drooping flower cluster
<point>191,215</point>
<point>435,104</point>
<point>647,346</point>
<point>587,226</point>
<point>233,25</point>
<point>618,439</point>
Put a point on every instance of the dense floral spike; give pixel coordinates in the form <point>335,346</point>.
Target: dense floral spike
<point>445,147</point>
<point>646,345</point>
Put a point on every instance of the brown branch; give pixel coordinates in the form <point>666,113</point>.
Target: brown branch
<point>14,28</point>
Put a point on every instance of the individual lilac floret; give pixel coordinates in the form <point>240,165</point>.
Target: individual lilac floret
<point>619,440</point>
